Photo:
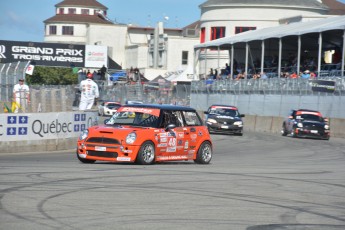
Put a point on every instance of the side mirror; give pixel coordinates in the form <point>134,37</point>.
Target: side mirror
<point>106,121</point>
<point>242,115</point>
<point>326,119</point>
<point>291,117</point>
<point>170,127</point>
<point>205,112</point>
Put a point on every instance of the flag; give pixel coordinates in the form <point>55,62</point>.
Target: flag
<point>6,109</point>
<point>30,69</point>
<point>15,105</point>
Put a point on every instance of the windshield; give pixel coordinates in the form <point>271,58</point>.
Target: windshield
<point>113,105</point>
<point>136,117</point>
<point>224,112</point>
<point>309,117</point>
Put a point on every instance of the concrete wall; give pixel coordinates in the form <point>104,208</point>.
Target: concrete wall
<point>36,132</point>
<point>270,124</point>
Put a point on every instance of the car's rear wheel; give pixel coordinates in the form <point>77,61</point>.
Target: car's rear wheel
<point>85,161</point>
<point>146,154</point>
<point>204,154</point>
<point>284,131</point>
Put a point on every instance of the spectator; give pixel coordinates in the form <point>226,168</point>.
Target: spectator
<point>312,74</point>
<point>89,92</point>
<point>294,75</point>
<point>263,75</point>
<point>88,74</point>
<point>103,71</point>
<point>305,74</point>
<point>227,69</point>
<point>21,96</point>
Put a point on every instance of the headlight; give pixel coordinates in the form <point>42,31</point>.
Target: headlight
<point>84,134</point>
<point>211,120</point>
<point>326,126</point>
<point>299,125</point>
<point>238,123</point>
<point>131,138</point>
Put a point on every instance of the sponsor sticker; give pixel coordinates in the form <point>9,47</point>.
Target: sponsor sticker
<point>123,159</point>
<point>100,148</point>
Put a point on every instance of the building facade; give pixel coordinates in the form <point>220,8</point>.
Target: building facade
<point>159,50</point>
<point>224,18</point>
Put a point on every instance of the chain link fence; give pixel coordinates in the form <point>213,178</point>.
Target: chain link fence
<point>257,97</point>
<point>272,97</point>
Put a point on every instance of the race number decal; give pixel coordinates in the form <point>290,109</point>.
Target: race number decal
<point>171,145</point>
<point>172,142</point>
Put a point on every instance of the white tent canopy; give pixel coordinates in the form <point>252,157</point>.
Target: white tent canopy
<point>316,26</point>
<point>331,30</point>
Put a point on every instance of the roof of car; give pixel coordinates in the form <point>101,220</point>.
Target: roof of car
<point>164,107</point>
<point>223,105</point>
<point>307,110</point>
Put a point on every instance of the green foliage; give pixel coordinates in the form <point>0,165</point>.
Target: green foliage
<point>52,76</point>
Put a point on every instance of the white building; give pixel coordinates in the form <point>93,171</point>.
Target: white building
<point>224,18</point>
<point>158,51</point>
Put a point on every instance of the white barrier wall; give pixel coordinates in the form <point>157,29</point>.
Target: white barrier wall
<point>29,131</point>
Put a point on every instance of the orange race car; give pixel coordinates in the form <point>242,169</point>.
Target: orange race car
<point>153,133</point>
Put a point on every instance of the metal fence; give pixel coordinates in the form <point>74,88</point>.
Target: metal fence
<point>10,73</point>
<point>257,97</point>
<point>270,97</point>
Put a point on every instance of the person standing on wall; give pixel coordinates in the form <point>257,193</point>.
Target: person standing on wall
<point>89,92</point>
<point>21,96</point>
<point>103,71</point>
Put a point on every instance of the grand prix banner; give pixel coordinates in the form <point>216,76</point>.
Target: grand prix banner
<point>43,126</point>
<point>53,54</point>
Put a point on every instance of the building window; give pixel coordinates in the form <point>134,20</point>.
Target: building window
<point>202,35</point>
<point>243,29</point>
<point>52,30</point>
<point>72,11</point>
<point>184,57</point>
<point>61,11</point>
<point>85,11</point>
<point>217,32</point>
<point>67,30</point>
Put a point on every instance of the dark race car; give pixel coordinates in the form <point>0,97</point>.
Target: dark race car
<point>306,123</point>
<point>224,119</point>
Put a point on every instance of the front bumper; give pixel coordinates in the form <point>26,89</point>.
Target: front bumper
<point>113,153</point>
<point>318,134</point>
<point>219,128</point>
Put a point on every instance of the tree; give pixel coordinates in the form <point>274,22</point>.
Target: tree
<point>52,76</point>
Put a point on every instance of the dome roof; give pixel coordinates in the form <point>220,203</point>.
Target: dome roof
<point>313,4</point>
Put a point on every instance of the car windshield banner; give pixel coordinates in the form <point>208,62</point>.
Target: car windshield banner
<point>323,86</point>
<point>154,112</point>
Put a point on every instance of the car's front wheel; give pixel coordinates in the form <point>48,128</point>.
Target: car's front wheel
<point>146,154</point>
<point>204,154</point>
<point>284,131</point>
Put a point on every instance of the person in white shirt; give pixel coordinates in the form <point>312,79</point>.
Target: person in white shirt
<point>89,91</point>
<point>21,96</point>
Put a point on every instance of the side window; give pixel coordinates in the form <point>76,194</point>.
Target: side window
<point>192,118</point>
<point>172,117</point>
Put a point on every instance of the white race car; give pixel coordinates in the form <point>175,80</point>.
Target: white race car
<point>108,108</point>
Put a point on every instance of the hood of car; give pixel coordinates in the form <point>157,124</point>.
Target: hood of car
<point>312,123</point>
<point>111,130</point>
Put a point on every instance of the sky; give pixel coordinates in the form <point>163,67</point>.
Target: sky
<point>22,20</point>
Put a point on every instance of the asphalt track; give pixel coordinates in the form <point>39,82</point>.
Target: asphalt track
<point>254,182</point>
